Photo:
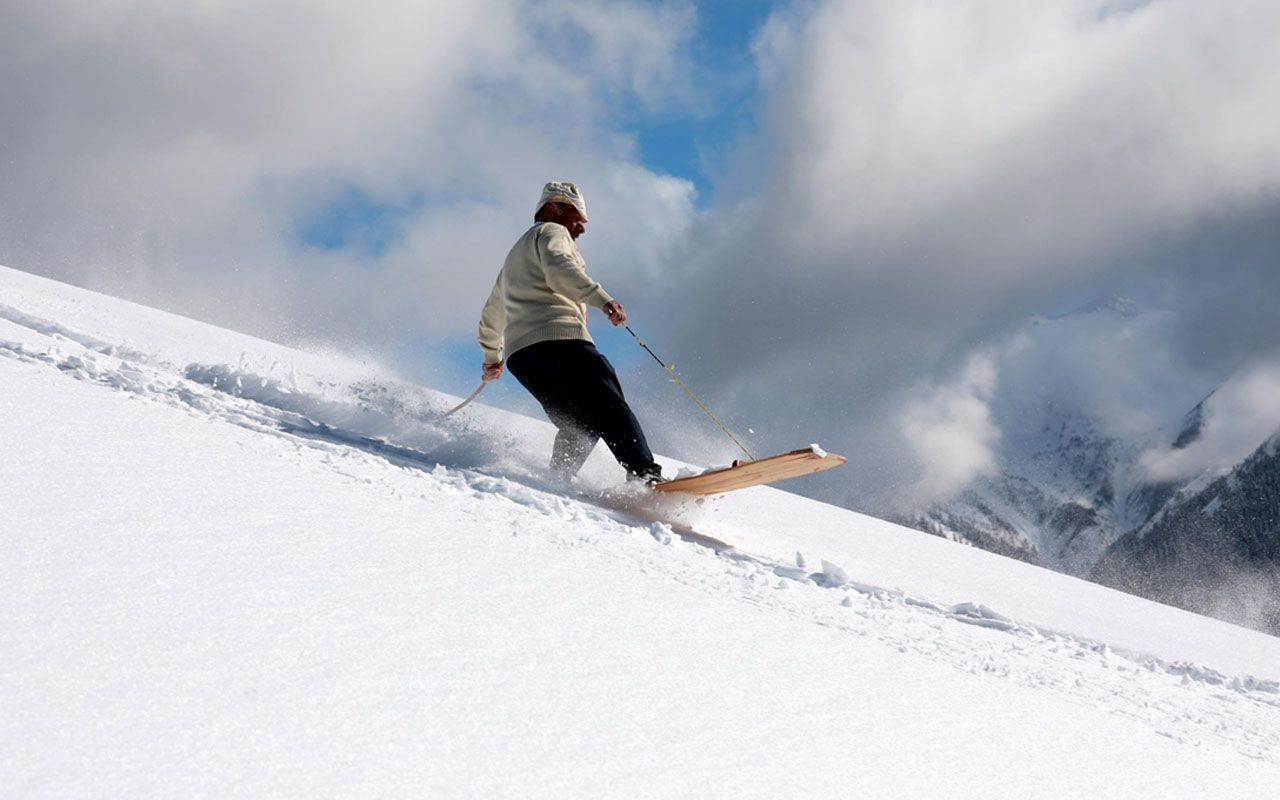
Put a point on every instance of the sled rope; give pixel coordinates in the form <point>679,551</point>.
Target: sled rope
<point>672,372</point>
<point>464,403</point>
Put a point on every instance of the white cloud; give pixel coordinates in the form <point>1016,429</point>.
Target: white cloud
<point>1015,132</point>
<point>632,46</point>
<point>172,151</point>
<point>1117,368</point>
<point>932,173</point>
<point>1237,419</point>
<point>951,432</point>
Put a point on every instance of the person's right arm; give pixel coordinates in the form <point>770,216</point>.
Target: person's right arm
<point>493,324</point>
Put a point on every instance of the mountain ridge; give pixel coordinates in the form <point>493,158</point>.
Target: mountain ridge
<point>1073,497</point>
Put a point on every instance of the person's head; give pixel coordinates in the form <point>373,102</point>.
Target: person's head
<point>563,214</point>
<point>561,202</point>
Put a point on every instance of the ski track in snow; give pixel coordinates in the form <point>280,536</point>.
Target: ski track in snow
<point>393,436</point>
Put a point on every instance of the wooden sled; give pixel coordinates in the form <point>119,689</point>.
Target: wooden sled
<point>754,473</point>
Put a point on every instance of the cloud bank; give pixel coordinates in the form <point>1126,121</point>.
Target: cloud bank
<point>937,172</point>
<point>321,170</point>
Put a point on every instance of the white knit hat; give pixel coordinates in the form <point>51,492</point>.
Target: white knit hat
<point>563,192</point>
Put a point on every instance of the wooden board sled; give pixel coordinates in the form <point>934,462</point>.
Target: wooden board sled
<point>754,473</point>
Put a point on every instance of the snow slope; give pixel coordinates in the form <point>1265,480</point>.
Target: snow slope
<point>231,568</point>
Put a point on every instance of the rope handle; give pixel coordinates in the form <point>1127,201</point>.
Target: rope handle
<point>464,403</point>
<point>672,372</point>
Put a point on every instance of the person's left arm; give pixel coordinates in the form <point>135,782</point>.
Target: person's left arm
<point>566,272</point>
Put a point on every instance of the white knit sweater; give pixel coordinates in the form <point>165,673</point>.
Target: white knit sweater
<point>541,294</point>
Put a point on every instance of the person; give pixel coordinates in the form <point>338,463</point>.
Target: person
<point>537,315</point>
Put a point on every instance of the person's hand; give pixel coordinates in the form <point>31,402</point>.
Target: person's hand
<point>615,312</point>
<point>491,372</point>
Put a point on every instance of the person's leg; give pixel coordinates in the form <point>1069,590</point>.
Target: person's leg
<point>570,451</point>
<point>618,425</point>
<point>594,400</point>
<point>547,371</point>
<point>579,390</point>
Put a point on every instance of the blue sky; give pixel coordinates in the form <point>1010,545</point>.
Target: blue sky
<point>693,143</point>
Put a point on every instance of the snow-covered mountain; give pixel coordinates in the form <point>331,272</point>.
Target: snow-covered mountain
<point>232,568</point>
<point>1074,493</point>
<point>1067,484</point>
<point>1054,503</point>
<point>1212,545</point>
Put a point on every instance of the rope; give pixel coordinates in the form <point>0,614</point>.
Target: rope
<point>464,403</point>
<point>672,372</point>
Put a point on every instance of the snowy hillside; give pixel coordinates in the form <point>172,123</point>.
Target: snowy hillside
<point>236,569</point>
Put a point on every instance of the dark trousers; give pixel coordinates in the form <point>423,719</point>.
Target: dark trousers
<point>579,390</point>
